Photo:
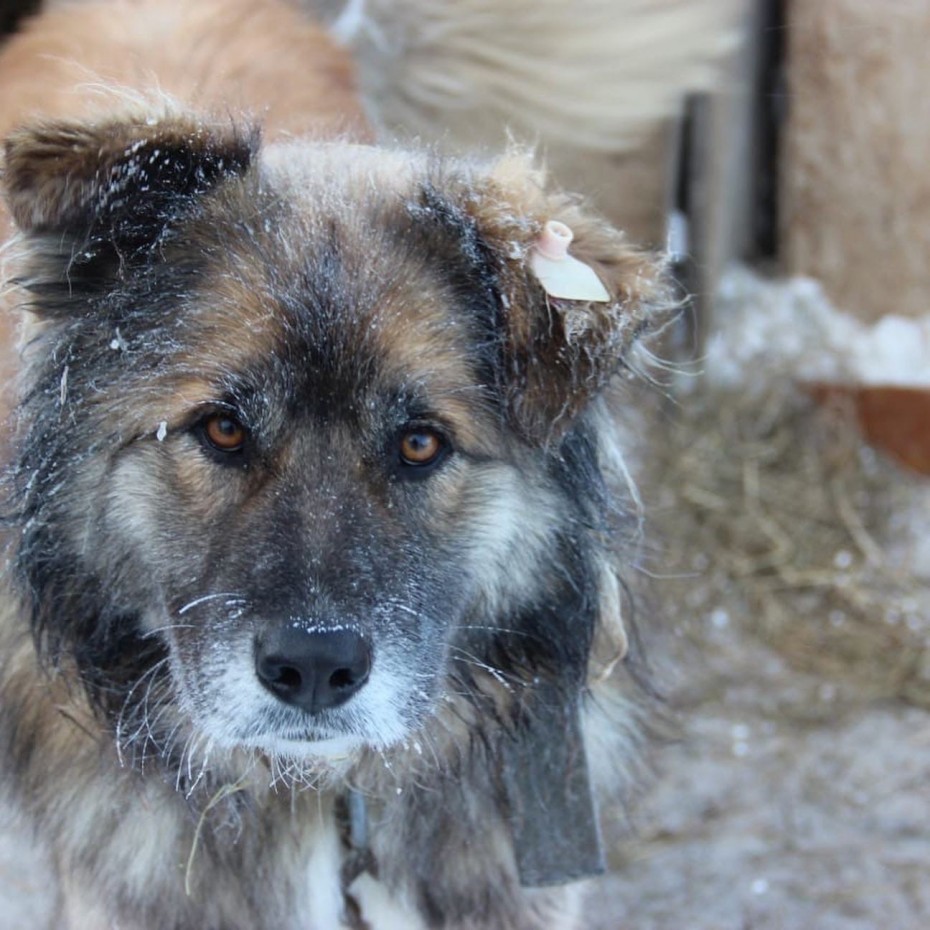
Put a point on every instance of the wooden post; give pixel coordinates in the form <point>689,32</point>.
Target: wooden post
<point>856,170</point>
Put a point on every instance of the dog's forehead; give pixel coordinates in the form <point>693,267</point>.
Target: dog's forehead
<point>338,248</point>
<point>303,169</point>
<point>328,270</point>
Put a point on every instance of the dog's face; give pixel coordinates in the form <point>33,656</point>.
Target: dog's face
<point>297,418</point>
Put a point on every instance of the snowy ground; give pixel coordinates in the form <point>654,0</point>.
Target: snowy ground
<point>762,819</point>
<point>788,799</point>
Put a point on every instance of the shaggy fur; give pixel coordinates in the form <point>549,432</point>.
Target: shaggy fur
<point>328,304</point>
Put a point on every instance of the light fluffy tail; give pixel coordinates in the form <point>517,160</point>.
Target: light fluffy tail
<point>595,75</point>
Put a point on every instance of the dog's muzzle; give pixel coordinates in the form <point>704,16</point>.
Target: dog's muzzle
<point>314,670</point>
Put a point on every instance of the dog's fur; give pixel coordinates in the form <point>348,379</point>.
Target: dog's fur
<point>330,297</point>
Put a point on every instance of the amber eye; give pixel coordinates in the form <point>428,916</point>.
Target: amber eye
<point>421,446</point>
<point>224,432</point>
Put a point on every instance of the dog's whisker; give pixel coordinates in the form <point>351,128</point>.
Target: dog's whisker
<point>204,765</point>
<point>147,679</point>
<point>491,628</point>
<point>235,600</point>
<point>468,658</point>
<point>149,633</point>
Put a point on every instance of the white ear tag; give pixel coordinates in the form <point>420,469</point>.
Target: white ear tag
<point>559,273</point>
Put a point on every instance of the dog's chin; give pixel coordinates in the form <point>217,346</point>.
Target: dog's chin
<point>325,750</point>
<point>305,743</point>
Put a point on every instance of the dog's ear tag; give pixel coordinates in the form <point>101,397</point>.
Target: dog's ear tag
<point>553,814</point>
<point>560,274</point>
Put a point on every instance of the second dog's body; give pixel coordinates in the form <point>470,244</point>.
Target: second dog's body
<point>317,500</point>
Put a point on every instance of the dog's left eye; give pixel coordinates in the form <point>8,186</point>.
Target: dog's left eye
<point>421,447</point>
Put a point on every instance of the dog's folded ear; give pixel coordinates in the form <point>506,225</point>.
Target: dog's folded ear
<point>110,191</point>
<point>560,351</point>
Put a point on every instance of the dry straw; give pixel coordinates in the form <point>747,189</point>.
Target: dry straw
<point>787,514</point>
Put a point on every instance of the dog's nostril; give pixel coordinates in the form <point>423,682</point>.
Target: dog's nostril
<point>286,677</point>
<point>342,678</point>
<point>312,670</point>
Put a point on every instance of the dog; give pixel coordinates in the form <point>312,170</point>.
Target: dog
<point>317,508</point>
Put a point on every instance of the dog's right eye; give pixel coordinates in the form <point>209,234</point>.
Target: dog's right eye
<point>223,433</point>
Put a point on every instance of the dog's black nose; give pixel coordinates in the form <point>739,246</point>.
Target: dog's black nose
<point>313,670</point>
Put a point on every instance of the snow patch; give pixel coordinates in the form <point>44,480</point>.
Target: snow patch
<point>778,327</point>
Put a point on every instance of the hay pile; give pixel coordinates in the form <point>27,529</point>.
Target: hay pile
<point>774,517</point>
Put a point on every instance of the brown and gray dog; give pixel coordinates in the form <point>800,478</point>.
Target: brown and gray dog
<point>316,509</point>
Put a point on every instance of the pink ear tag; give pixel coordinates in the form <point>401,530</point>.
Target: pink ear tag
<point>559,273</point>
